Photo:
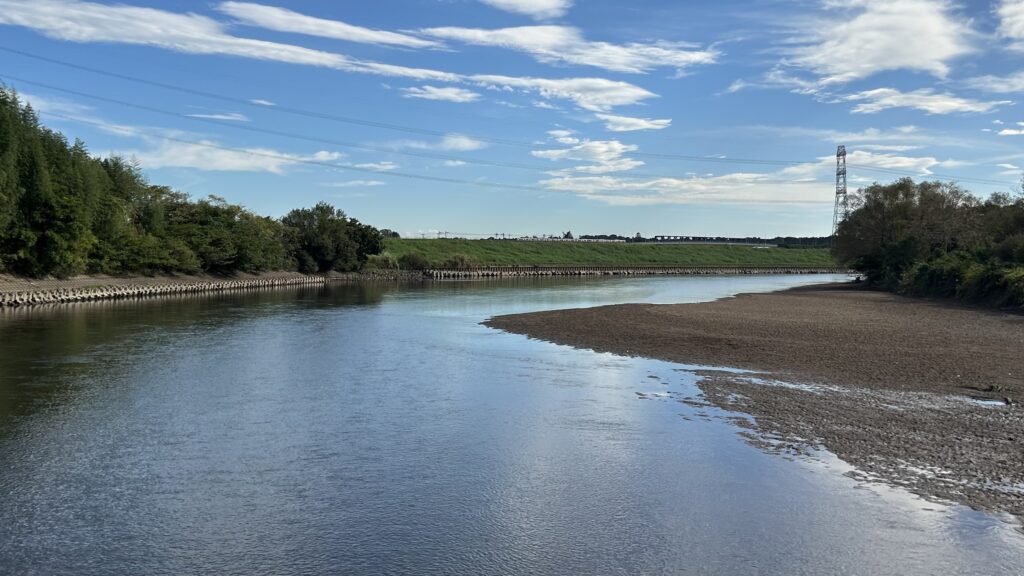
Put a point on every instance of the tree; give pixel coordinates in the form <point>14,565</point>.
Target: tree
<point>64,212</point>
<point>319,239</point>
<point>892,226</point>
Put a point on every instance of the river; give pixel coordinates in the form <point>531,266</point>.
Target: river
<point>380,429</point>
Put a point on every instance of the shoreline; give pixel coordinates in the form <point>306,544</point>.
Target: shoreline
<point>922,394</point>
<point>18,292</point>
<point>24,292</point>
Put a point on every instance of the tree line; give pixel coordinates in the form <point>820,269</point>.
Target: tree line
<point>936,239</point>
<point>64,212</point>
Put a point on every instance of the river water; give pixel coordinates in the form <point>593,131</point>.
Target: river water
<point>380,429</point>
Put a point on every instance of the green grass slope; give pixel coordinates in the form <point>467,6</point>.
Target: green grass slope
<point>516,253</point>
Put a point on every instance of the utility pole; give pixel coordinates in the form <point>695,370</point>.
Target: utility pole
<point>842,207</point>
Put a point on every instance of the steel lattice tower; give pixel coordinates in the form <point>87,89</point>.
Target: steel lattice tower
<point>842,207</point>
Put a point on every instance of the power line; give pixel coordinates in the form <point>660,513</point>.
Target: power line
<point>241,101</point>
<point>308,161</point>
<point>294,160</point>
<point>435,156</point>
<point>271,132</point>
<point>438,133</point>
<point>328,141</point>
<point>350,120</point>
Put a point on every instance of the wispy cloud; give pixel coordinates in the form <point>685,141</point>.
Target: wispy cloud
<point>1013,131</point>
<point>566,45</point>
<point>866,37</point>
<point>228,116</point>
<point>284,20</point>
<point>600,156</point>
<point>806,183</point>
<point>629,124</point>
<point>734,188</point>
<point>354,184</point>
<point>1011,22</point>
<point>74,111</point>
<point>925,99</point>
<point>447,94</point>
<point>211,156</point>
<point>1009,84</point>
<point>594,94</point>
<point>80,21</point>
<point>449,143</point>
<point>377,166</point>
<point>539,9</point>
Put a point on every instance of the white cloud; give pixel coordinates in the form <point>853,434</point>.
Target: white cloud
<point>377,166</point>
<point>871,101</point>
<point>1013,131</point>
<point>354,183</point>
<point>539,9</point>
<point>920,164</point>
<point>602,156</point>
<point>628,124</point>
<point>461,142</point>
<point>228,116</point>
<point>998,84</point>
<point>262,102</point>
<point>454,163</point>
<point>745,188</point>
<point>448,94</point>
<point>889,147</point>
<point>564,136</point>
<point>807,183</point>
<point>872,36</point>
<point>62,109</point>
<point>1010,170</point>
<point>594,94</point>
<point>80,21</point>
<point>284,20</point>
<point>1011,22</point>
<point>449,143</point>
<point>208,155</point>
<point>566,45</point>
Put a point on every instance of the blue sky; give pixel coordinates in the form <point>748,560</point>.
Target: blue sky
<point>534,116</point>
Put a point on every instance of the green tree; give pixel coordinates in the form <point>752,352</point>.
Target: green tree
<point>320,239</point>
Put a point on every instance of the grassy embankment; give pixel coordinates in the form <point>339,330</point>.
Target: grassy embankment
<point>517,253</point>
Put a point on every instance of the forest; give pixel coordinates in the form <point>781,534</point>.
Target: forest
<point>937,239</point>
<point>64,212</point>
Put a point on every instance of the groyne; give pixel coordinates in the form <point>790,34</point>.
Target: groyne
<point>62,295</point>
<point>521,271</point>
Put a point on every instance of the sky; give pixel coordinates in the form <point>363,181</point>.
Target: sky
<point>481,117</point>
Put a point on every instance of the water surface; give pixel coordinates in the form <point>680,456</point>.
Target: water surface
<point>379,429</point>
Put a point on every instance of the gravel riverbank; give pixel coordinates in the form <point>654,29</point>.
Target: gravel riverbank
<point>918,393</point>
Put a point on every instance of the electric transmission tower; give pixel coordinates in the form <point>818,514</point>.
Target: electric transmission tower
<point>842,208</point>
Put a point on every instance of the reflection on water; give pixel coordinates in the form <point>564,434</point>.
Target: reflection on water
<point>378,429</point>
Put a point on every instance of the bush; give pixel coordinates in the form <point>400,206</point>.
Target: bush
<point>385,261</point>
<point>413,261</point>
<point>943,277</point>
<point>459,261</point>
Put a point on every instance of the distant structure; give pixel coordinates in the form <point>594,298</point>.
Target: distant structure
<point>842,207</point>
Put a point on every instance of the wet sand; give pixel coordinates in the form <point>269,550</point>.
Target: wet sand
<point>919,393</point>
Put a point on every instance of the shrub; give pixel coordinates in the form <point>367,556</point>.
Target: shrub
<point>413,261</point>
<point>459,261</point>
<point>384,261</point>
